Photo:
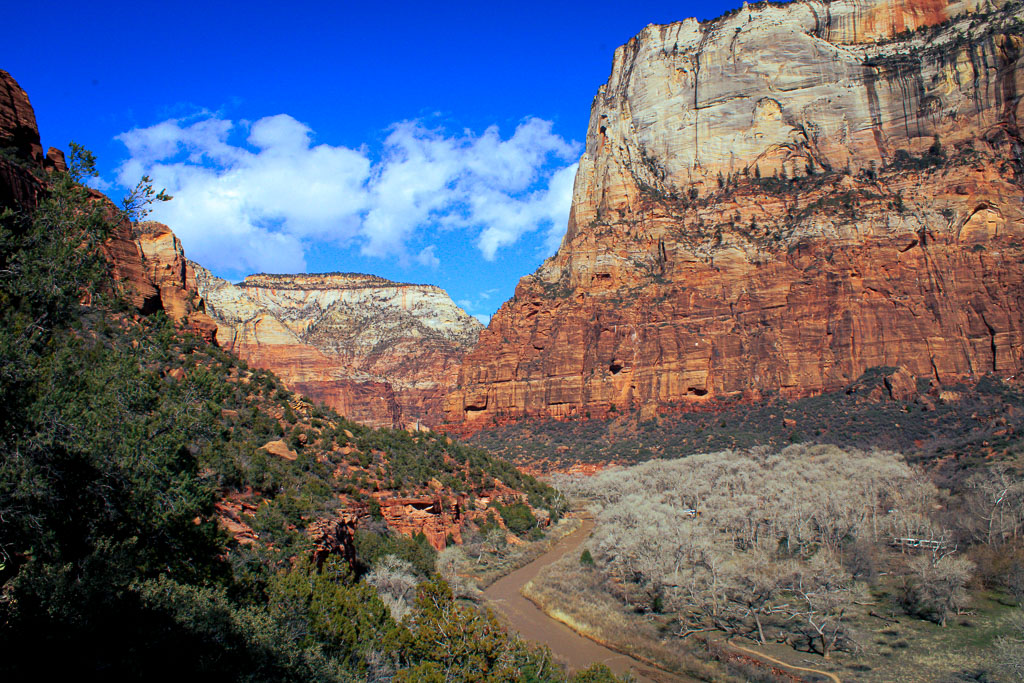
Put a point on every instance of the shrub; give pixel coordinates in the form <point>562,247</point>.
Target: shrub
<point>518,518</point>
<point>372,545</point>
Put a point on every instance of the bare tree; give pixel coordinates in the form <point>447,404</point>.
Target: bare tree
<point>935,586</point>
<point>755,586</point>
<point>1015,582</point>
<point>826,593</point>
<point>1010,649</point>
<point>395,581</point>
<point>994,501</point>
<point>748,542</point>
<point>451,565</point>
<point>699,595</point>
<point>496,541</point>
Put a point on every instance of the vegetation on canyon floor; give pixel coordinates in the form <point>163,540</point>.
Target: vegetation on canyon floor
<point>855,557</point>
<point>121,435</point>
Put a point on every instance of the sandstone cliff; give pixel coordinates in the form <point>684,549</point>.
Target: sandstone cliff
<point>379,352</point>
<point>776,201</point>
<point>146,262</point>
<point>22,164</point>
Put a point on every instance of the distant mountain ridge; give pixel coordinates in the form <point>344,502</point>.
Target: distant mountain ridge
<point>332,280</point>
<point>380,352</point>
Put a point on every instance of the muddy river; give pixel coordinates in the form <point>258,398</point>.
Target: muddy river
<point>572,649</point>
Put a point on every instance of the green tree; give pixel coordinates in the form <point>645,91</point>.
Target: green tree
<point>465,643</point>
<point>135,205</point>
<point>99,486</point>
<point>330,609</point>
<point>598,673</point>
<point>81,163</point>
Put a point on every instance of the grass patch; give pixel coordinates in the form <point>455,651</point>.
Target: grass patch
<point>918,650</point>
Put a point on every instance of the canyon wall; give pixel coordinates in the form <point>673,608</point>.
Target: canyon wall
<point>774,202</point>
<point>378,352</point>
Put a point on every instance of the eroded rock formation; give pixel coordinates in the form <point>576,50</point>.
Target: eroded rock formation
<point>776,201</point>
<point>439,520</point>
<point>379,352</point>
<point>173,277</point>
<point>442,519</point>
<point>334,536</point>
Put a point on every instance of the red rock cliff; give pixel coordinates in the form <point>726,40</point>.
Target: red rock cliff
<point>776,201</point>
<point>22,164</point>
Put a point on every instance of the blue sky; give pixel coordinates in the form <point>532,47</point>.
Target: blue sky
<point>423,142</point>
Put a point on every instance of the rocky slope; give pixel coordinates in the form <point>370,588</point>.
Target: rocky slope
<point>774,202</point>
<point>379,352</point>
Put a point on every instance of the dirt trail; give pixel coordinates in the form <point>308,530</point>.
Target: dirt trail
<point>761,655</point>
<point>574,650</point>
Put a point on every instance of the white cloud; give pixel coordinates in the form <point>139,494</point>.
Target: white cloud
<point>559,201</point>
<point>100,184</point>
<point>428,258</point>
<point>280,134</point>
<point>508,219</point>
<point>259,205</point>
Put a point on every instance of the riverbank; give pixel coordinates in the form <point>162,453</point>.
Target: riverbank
<point>484,573</point>
<point>575,651</point>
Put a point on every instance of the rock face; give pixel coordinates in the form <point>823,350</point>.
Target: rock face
<point>21,154</point>
<point>440,521</point>
<point>379,352</point>
<point>173,277</point>
<point>776,201</point>
<point>19,135</point>
<point>150,271</point>
<point>335,536</point>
